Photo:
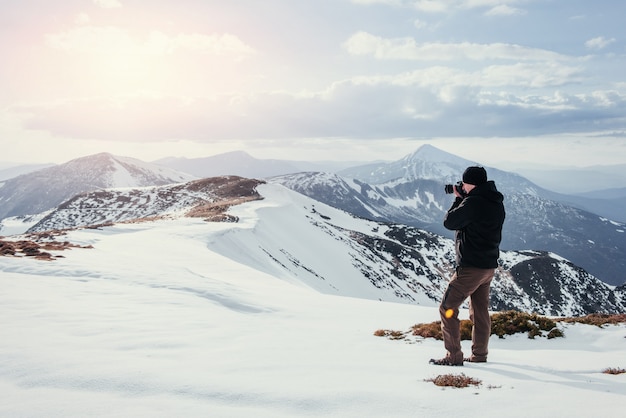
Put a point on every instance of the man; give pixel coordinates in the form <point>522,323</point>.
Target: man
<point>476,215</point>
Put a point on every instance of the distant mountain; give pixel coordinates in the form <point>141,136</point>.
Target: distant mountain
<point>577,180</point>
<point>606,194</point>
<point>14,171</point>
<point>301,240</point>
<point>596,189</point>
<point>236,163</point>
<point>240,163</point>
<point>610,203</point>
<point>410,191</point>
<point>44,189</point>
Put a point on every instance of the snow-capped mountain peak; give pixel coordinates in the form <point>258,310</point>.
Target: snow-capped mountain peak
<point>44,189</point>
<point>429,153</point>
<point>427,163</point>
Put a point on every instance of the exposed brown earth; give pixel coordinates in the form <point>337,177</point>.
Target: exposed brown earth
<point>37,250</point>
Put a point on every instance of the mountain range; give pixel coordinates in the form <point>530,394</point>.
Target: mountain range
<point>602,181</point>
<point>607,199</point>
<point>411,191</point>
<point>240,163</point>
<point>306,242</point>
<point>408,191</point>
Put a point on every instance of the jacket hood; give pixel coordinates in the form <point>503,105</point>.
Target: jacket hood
<point>489,191</point>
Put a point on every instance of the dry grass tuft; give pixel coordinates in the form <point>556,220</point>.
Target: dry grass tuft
<point>598,319</point>
<point>433,330</point>
<point>457,381</point>
<point>502,323</point>
<point>513,322</point>
<point>614,370</point>
<point>392,335</point>
<point>216,211</point>
<point>36,250</point>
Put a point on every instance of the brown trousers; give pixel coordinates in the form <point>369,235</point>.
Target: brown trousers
<point>473,283</point>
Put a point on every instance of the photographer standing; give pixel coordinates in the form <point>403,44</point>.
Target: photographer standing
<point>476,215</point>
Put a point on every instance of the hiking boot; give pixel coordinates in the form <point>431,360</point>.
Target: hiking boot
<point>446,361</point>
<point>475,360</point>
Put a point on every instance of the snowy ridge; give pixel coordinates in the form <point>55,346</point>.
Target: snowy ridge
<point>119,205</point>
<point>290,236</point>
<point>333,252</point>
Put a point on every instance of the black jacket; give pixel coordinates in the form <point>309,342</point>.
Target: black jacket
<point>477,220</point>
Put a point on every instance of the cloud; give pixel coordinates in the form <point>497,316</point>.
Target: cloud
<point>111,40</point>
<point>419,24</point>
<point>438,101</point>
<point>108,4</point>
<point>400,3</point>
<point>387,2</point>
<point>431,6</point>
<point>82,19</point>
<point>409,86</point>
<point>504,10</point>
<point>363,43</point>
<point>519,75</point>
<point>599,43</point>
<point>496,7</point>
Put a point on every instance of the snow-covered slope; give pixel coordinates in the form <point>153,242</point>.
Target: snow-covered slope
<point>290,236</point>
<point>171,317</point>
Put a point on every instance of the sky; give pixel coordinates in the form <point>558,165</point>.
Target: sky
<point>205,329</point>
<point>497,81</point>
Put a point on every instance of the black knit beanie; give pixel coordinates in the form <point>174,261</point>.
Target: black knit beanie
<point>475,176</point>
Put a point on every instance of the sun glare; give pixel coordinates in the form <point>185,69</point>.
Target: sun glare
<point>120,61</point>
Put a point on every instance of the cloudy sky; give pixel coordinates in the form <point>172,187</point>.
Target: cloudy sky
<point>515,81</point>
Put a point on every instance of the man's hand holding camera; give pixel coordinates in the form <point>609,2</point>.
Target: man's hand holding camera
<point>457,189</point>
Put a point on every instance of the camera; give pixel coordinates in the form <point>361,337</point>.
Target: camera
<point>449,188</point>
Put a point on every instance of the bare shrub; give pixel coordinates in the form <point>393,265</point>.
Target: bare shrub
<point>34,249</point>
<point>392,335</point>
<point>513,322</point>
<point>7,248</point>
<point>452,380</point>
<point>502,323</point>
<point>431,330</point>
<point>598,319</point>
<point>216,211</point>
<point>614,370</point>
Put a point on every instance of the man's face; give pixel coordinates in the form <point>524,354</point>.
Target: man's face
<point>468,187</point>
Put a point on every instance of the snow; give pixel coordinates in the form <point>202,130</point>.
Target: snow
<point>16,225</point>
<point>161,319</point>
